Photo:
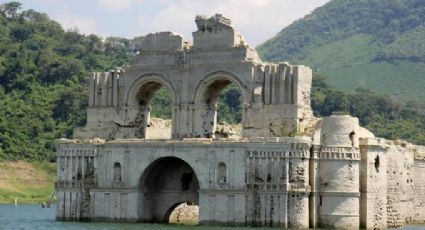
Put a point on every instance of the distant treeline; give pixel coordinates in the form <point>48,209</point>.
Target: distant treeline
<point>382,115</point>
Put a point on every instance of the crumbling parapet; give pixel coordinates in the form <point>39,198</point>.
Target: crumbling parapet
<point>163,41</point>
<point>275,96</point>
<point>216,32</point>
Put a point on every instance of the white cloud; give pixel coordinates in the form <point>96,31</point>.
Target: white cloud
<point>258,2</point>
<point>176,18</point>
<point>83,24</point>
<point>258,20</point>
<point>116,5</point>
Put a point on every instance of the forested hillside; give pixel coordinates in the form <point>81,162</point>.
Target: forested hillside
<point>373,44</point>
<point>43,76</point>
<point>384,116</point>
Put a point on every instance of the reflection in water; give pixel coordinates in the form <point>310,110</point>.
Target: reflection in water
<point>35,217</point>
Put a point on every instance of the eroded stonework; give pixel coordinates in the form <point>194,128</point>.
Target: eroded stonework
<point>333,173</point>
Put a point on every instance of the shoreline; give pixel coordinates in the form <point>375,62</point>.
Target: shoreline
<point>29,182</point>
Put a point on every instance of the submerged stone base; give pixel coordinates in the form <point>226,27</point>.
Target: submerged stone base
<point>143,181</point>
<point>277,182</point>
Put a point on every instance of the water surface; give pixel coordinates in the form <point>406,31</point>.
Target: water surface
<point>35,217</point>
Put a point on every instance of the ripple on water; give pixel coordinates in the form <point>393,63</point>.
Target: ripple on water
<point>35,217</point>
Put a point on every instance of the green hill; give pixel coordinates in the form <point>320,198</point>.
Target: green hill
<point>373,44</point>
<point>43,80</point>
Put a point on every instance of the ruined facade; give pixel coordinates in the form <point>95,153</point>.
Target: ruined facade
<point>288,168</point>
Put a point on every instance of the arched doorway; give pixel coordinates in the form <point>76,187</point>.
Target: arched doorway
<point>220,101</point>
<point>157,125</point>
<point>165,184</point>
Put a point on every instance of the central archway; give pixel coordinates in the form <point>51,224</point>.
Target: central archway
<point>166,183</point>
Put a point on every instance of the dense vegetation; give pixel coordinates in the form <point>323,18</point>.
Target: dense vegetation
<point>383,116</point>
<point>161,104</point>
<point>228,105</point>
<point>373,44</point>
<point>43,82</point>
<point>43,73</point>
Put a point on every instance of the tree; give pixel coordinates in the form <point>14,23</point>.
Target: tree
<point>10,9</point>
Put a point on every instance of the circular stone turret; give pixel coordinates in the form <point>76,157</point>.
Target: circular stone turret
<point>339,160</point>
<point>340,130</point>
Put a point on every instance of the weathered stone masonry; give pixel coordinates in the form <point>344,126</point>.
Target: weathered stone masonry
<point>334,173</point>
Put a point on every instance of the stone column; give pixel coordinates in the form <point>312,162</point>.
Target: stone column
<point>339,187</point>
<point>92,90</point>
<point>314,183</point>
<point>298,187</point>
<point>267,85</point>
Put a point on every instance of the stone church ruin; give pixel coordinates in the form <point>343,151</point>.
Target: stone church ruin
<point>287,169</point>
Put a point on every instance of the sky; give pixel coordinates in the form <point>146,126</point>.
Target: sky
<point>257,20</point>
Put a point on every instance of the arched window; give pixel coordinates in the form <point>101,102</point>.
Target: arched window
<point>352,137</point>
<point>117,172</point>
<point>377,163</point>
<point>221,173</point>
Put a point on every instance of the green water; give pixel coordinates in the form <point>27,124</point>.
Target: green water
<point>35,217</point>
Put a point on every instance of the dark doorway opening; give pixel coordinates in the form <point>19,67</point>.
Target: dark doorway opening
<point>167,183</point>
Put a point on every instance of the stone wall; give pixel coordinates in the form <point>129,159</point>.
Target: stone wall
<point>418,182</point>
<point>278,186</point>
<point>392,189</point>
<point>250,193</point>
<point>373,183</point>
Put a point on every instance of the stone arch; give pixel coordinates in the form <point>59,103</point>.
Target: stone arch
<point>221,75</point>
<point>167,181</point>
<point>206,97</point>
<point>138,99</point>
<point>131,94</point>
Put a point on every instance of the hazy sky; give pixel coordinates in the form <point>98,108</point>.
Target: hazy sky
<point>258,20</point>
